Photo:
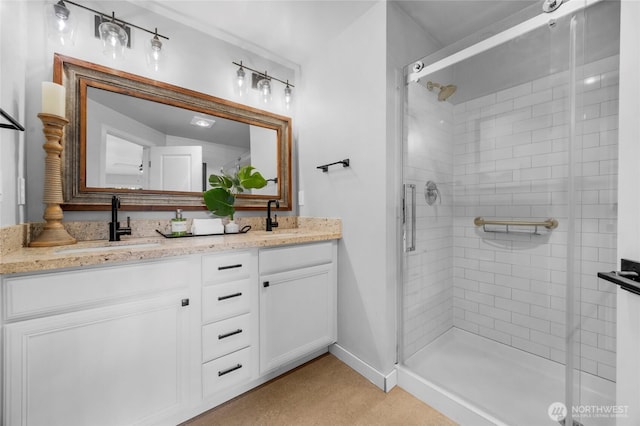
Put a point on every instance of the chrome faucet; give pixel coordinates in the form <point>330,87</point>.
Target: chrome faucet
<point>114,226</point>
<point>272,223</point>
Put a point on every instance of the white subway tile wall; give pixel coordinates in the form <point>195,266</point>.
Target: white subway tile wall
<point>506,156</point>
<point>428,289</point>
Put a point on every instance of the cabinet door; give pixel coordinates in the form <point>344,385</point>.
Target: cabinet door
<point>297,314</point>
<point>628,348</point>
<point>116,365</point>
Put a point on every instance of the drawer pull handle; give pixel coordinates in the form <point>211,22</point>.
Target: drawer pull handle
<point>265,284</point>
<point>232,333</point>
<point>229,296</point>
<point>229,370</point>
<point>222,268</point>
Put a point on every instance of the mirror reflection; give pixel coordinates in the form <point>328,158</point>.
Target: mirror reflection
<point>139,144</point>
<point>155,144</point>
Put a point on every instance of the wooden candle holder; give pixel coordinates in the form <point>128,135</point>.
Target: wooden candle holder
<point>53,233</point>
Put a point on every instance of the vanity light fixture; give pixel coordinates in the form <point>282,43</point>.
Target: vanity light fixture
<point>155,54</point>
<point>287,96</point>
<point>262,82</point>
<point>114,33</point>
<point>241,84</point>
<point>114,38</point>
<point>264,86</point>
<point>202,122</point>
<point>61,24</point>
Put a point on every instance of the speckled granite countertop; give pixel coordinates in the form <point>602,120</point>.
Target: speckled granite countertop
<point>144,245</point>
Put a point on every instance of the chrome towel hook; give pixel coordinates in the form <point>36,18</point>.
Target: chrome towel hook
<point>431,193</point>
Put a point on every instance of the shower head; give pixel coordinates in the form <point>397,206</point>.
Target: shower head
<point>445,91</point>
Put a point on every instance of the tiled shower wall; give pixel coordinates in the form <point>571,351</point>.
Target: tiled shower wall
<point>428,290</point>
<point>510,162</point>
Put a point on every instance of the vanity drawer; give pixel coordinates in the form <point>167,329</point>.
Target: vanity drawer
<point>226,372</point>
<point>226,267</point>
<point>294,257</point>
<point>225,300</point>
<point>223,337</point>
<point>57,292</point>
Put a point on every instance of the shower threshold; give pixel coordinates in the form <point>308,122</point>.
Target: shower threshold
<point>473,379</point>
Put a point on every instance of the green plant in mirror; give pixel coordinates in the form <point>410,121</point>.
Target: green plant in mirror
<point>221,197</point>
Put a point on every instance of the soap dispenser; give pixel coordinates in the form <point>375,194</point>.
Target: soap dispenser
<point>178,225</point>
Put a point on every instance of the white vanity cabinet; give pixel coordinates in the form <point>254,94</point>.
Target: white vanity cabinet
<point>99,346</point>
<point>229,321</point>
<point>298,308</point>
<point>160,341</point>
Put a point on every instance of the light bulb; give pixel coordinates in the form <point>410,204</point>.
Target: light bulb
<point>287,96</point>
<point>61,24</point>
<point>264,86</point>
<point>155,54</point>
<point>114,38</point>
<point>241,84</point>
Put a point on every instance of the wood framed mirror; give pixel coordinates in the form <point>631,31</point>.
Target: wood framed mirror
<point>155,144</point>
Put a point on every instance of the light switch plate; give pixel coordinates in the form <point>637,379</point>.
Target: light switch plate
<point>22,191</point>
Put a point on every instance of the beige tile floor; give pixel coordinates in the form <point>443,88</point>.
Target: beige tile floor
<point>324,391</point>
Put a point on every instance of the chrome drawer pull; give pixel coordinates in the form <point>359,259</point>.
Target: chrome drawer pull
<point>222,268</point>
<point>233,333</point>
<point>229,296</point>
<point>229,370</point>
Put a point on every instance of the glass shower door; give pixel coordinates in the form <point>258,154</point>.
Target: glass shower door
<point>501,317</point>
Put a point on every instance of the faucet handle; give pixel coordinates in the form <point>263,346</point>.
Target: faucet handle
<point>274,222</point>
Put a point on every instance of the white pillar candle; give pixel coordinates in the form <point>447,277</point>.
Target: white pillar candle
<point>53,98</point>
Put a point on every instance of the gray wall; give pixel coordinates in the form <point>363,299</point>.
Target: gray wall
<point>352,116</point>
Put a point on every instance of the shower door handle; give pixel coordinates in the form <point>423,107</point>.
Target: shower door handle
<point>409,217</point>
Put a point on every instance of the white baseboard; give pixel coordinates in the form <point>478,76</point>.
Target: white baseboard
<point>391,381</point>
<point>384,382</point>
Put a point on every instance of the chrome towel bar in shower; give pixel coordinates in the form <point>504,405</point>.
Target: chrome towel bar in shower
<point>549,223</point>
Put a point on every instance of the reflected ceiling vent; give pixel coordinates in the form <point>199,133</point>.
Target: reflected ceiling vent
<point>202,122</point>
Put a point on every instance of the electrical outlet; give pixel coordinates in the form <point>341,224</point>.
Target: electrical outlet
<point>301,198</point>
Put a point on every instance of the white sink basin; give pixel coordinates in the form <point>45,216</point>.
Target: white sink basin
<point>105,248</point>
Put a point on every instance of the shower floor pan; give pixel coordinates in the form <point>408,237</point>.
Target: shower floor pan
<point>476,381</point>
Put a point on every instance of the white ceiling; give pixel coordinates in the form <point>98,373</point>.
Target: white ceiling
<point>288,31</point>
<point>283,29</point>
<point>293,29</point>
<point>449,21</point>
